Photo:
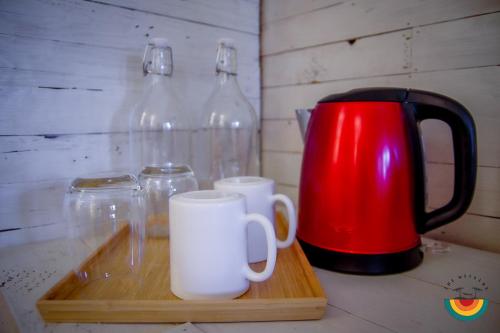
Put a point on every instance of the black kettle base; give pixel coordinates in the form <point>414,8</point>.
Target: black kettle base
<point>365,264</point>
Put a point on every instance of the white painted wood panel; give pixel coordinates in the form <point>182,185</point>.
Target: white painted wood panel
<point>281,135</point>
<point>280,102</point>
<point>471,42</point>
<point>33,110</point>
<point>291,191</point>
<point>33,234</point>
<point>31,204</point>
<point>274,162</point>
<point>480,232</point>
<point>36,171</point>
<point>375,56</point>
<point>235,15</point>
<point>36,158</point>
<point>273,167</point>
<point>437,141</point>
<point>281,10</point>
<point>91,67</point>
<point>89,22</point>
<point>278,10</point>
<point>93,52</point>
<point>486,195</point>
<point>104,105</point>
<point>307,23</point>
<point>464,85</point>
<point>70,72</point>
<point>475,88</point>
<point>24,109</point>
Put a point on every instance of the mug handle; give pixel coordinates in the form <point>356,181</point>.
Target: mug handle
<point>271,249</point>
<point>292,220</point>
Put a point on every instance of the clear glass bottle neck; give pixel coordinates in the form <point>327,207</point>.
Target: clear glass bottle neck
<point>159,68</point>
<point>158,61</point>
<point>152,79</point>
<point>226,79</point>
<point>226,60</point>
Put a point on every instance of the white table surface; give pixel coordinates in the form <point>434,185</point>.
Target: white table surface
<point>407,302</point>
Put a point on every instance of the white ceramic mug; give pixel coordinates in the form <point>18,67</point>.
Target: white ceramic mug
<point>208,245</point>
<point>260,199</point>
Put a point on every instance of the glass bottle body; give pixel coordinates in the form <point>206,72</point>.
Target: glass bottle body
<point>226,141</point>
<point>160,132</point>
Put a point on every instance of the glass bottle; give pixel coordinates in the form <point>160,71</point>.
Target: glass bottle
<point>226,142</point>
<point>160,132</point>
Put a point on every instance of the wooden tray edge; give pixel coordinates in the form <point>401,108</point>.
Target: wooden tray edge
<point>161,311</point>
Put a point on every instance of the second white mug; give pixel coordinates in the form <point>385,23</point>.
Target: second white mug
<point>260,198</point>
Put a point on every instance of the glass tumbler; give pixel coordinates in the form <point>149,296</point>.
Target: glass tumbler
<point>159,184</point>
<point>105,226</point>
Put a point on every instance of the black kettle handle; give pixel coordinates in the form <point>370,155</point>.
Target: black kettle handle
<point>428,105</point>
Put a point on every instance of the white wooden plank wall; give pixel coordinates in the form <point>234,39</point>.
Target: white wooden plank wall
<point>70,71</point>
<point>311,49</point>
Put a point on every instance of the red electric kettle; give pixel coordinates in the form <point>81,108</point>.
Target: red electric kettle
<point>362,186</point>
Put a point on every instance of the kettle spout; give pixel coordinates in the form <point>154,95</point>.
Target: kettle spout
<point>303,116</point>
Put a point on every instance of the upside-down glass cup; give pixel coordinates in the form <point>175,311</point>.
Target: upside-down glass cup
<point>105,226</point>
<point>159,184</point>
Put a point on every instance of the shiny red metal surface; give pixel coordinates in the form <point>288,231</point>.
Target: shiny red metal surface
<point>356,188</point>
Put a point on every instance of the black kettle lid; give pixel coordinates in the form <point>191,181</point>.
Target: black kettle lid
<point>401,95</point>
<point>369,95</point>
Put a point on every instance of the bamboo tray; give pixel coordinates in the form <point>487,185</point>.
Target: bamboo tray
<point>292,293</point>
